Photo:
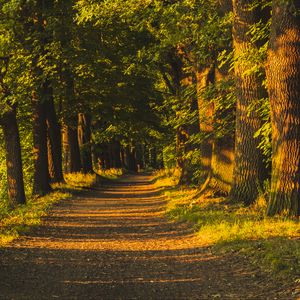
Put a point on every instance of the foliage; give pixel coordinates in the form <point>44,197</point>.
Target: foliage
<point>134,67</point>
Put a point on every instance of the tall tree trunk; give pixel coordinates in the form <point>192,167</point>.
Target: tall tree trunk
<point>98,157</point>
<point>130,159</point>
<point>190,127</point>
<point>110,153</point>
<point>41,179</point>
<point>283,74</point>
<point>249,170</point>
<point>107,156</point>
<point>84,139</point>
<point>116,149</point>
<point>73,145</point>
<point>146,156</point>
<point>14,169</point>
<point>186,128</point>
<point>204,77</point>
<point>140,157</point>
<point>153,158</point>
<point>123,159</point>
<point>66,151</point>
<point>54,139</point>
<point>181,160</point>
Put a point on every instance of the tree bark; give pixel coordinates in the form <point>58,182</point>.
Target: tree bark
<point>180,82</point>
<point>130,159</point>
<point>84,139</point>
<point>123,159</point>
<point>249,170</point>
<point>116,149</point>
<point>16,193</point>
<point>74,151</point>
<point>54,140</point>
<point>204,77</point>
<point>283,73</point>
<point>181,161</point>
<point>65,147</point>
<point>41,179</point>
<point>146,156</point>
<point>107,157</point>
<point>153,158</point>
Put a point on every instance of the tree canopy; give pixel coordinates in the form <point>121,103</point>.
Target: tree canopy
<point>191,85</point>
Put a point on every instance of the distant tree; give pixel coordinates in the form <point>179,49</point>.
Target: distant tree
<point>84,138</point>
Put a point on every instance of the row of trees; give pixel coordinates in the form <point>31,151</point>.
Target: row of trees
<point>69,99</point>
<point>210,86</point>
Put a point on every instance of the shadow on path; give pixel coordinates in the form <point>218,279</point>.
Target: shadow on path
<point>113,242</point>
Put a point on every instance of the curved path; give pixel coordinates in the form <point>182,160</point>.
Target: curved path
<point>114,242</point>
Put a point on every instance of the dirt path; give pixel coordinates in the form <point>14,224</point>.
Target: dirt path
<point>114,243</point>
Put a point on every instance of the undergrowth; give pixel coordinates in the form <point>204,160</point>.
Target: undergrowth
<point>111,173</point>
<point>14,222</point>
<point>271,243</point>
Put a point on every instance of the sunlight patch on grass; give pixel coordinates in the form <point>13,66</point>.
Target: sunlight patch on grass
<point>112,173</point>
<point>80,179</point>
<point>26,216</point>
<point>273,243</point>
<point>165,178</point>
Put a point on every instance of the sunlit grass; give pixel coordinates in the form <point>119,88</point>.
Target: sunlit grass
<point>110,173</point>
<point>80,179</point>
<point>165,178</point>
<point>26,216</point>
<point>273,243</point>
<point>14,222</point>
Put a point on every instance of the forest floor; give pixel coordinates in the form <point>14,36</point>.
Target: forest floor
<point>114,242</point>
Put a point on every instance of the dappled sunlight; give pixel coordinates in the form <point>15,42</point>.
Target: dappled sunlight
<point>116,241</point>
<point>271,243</point>
<point>122,217</point>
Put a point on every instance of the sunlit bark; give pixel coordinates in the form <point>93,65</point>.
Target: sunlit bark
<point>54,139</point>
<point>249,169</point>
<point>15,182</point>
<point>205,76</point>
<point>283,73</point>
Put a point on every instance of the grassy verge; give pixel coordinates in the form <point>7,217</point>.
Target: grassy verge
<point>14,222</point>
<point>111,174</point>
<point>271,243</point>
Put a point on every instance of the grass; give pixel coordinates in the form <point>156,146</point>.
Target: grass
<point>26,216</point>
<point>21,219</point>
<point>272,243</point>
<point>111,173</point>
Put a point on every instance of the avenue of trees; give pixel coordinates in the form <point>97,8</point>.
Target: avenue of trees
<point>209,88</point>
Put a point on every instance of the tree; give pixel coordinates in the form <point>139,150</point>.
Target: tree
<point>40,35</point>
<point>41,184</point>
<point>54,138</point>
<point>249,170</point>
<point>283,74</point>
<point>84,139</point>
<point>8,122</point>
